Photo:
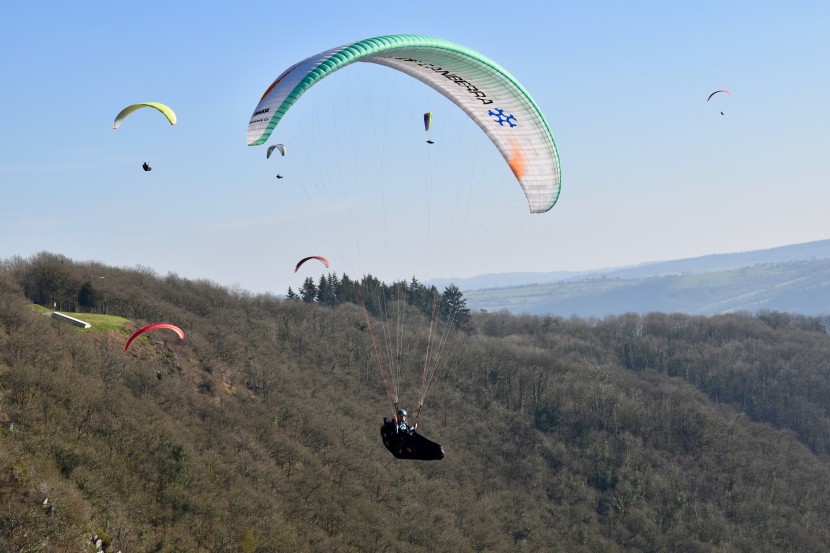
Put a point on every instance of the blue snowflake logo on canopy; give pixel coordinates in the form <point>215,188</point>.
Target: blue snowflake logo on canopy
<point>501,118</point>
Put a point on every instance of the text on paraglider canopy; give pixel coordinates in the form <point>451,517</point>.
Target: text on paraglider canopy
<point>457,79</point>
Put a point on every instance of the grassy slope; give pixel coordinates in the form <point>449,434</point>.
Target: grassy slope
<point>98,321</point>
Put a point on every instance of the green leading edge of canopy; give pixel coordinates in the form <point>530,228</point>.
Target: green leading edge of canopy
<point>371,46</point>
<point>543,185</point>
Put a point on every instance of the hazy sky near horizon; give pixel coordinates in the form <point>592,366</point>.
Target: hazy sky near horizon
<point>651,171</point>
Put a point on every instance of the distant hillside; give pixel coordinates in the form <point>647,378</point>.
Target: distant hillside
<point>716,262</point>
<point>505,279</point>
<point>793,279</point>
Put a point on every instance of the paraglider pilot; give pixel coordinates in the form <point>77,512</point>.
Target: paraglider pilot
<point>404,442</point>
<point>146,166</point>
<point>401,426</point>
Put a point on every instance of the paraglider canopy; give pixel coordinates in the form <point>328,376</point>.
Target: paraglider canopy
<point>318,257</point>
<point>716,92</point>
<point>487,93</point>
<point>147,328</point>
<point>165,110</point>
<point>271,149</point>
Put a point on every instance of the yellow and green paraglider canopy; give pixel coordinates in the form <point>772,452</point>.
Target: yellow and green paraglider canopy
<point>165,110</point>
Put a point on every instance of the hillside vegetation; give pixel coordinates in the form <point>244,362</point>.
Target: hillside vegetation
<point>653,433</point>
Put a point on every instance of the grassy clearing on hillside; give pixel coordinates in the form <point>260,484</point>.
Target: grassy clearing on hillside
<point>97,320</point>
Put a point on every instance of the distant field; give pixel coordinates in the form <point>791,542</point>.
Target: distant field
<point>97,320</point>
<point>794,287</point>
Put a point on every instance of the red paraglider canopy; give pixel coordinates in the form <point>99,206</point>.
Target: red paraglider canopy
<point>321,258</point>
<point>141,331</point>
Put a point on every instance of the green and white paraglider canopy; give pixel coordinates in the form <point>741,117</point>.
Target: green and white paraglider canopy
<point>487,93</point>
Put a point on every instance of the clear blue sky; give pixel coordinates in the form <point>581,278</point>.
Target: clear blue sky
<point>650,170</point>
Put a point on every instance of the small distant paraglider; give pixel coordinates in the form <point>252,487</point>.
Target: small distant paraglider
<point>427,124</point>
<point>719,91</point>
<point>165,110</point>
<point>318,257</point>
<point>147,328</point>
<point>280,148</point>
<point>271,149</point>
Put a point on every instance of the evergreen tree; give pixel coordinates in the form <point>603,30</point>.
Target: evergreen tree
<point>372,293</point>
<point>308,292</point>
<point>347,291</point>
<point>422,297</point>
<point>325,294</point>
<point>291,295</point>
<point>334,284</point>
<point>412,291</point>
<point>399,291</point>
<point>454,306</point>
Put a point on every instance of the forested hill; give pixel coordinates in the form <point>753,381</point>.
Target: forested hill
<point>657,433</point>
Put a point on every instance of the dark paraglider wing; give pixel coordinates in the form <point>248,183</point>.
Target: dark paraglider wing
<point>410,445</point>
